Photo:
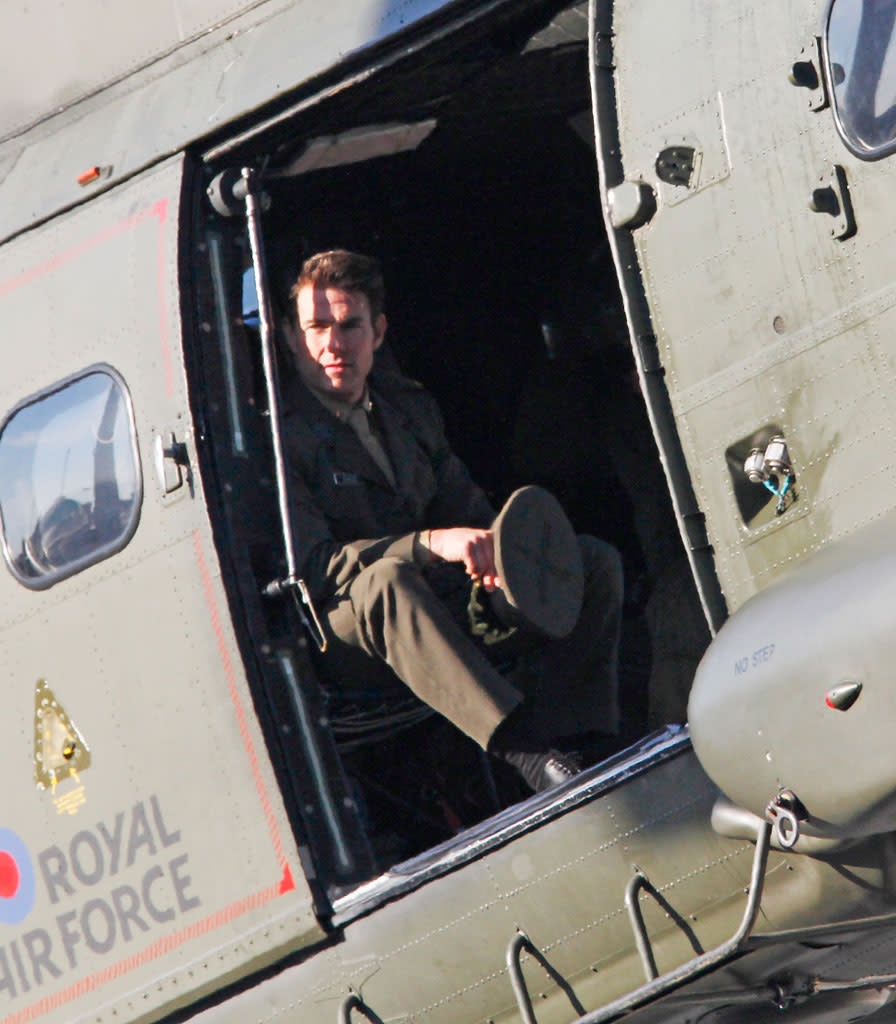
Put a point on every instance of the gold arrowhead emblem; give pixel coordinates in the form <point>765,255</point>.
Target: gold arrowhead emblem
<point>59,749</point>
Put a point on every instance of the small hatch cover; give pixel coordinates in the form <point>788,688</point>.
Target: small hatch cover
<point>675,165</point>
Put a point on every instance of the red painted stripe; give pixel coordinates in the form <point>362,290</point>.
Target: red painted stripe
<point>13,284</point>
<point>242,720</point>
<point>158,210</point>
<point>161,209</point>
<point>152,952</point>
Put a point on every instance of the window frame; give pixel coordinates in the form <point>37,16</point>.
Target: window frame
<point>848,138</point>
<point>109,548</point>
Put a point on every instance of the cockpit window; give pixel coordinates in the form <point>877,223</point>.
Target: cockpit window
<point>70,483</point>
<point>860,63</point>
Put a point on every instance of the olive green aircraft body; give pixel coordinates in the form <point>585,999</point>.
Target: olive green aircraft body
<point>643,254</point>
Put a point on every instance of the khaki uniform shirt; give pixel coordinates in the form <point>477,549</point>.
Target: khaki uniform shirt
<point>358,416</point>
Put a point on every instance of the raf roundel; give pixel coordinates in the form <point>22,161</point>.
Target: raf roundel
<point>9,876</point>
<point>16,879</point>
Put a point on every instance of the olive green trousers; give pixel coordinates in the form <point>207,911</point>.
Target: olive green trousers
<point>396,625</point>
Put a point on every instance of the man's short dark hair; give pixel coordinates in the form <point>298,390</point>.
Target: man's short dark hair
<point>350,271</point>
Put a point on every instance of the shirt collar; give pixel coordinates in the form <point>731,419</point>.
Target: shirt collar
<point>342,410</point>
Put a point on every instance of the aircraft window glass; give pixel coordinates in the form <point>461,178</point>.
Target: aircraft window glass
<point>861,70</point>
<point>250,299</point>
<point>70,484</point>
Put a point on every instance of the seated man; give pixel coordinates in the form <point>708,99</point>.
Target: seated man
<point>390,530</point>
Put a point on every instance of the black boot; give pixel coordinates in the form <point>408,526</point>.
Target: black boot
<point>543,770</point>
<point>588,748</point>
<point>517,742</point>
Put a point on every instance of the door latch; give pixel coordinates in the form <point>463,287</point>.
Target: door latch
<point>172,462</point>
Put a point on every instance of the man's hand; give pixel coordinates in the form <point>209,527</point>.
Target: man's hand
<point>475,548</point>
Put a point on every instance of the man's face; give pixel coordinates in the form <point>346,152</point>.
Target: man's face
<point>336,341</point>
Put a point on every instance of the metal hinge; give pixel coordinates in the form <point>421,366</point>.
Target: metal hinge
<point>831,196</point>
<point>807,73</point>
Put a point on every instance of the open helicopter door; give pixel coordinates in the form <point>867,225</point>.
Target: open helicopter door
<point>755,246</point>
<point>749,204</point>
<point>630,204</point>
<point>145,854</point>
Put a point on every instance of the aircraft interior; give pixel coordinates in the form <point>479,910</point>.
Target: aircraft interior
<point>469,170</point>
